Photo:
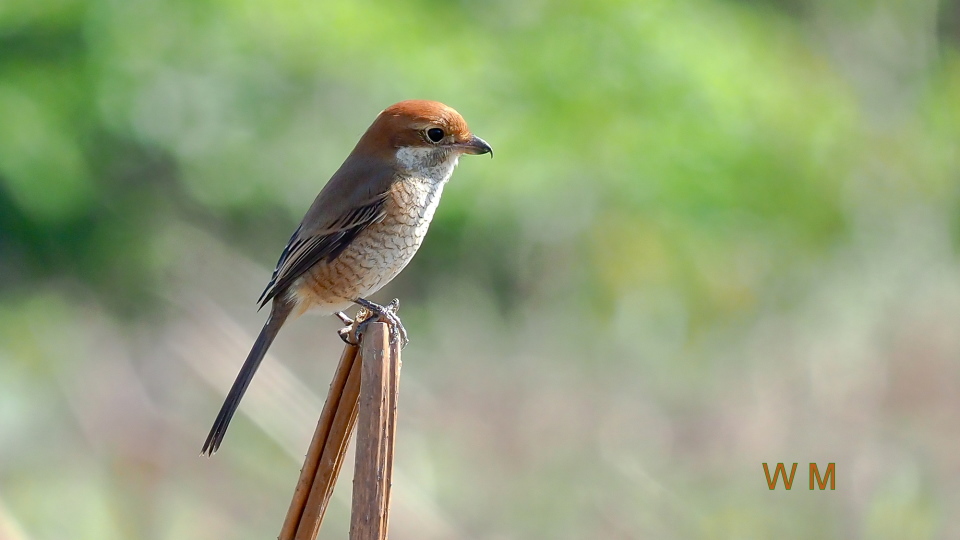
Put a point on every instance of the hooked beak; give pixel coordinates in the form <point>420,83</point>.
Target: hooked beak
<point>476,146</point>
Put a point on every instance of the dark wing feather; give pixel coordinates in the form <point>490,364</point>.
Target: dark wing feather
<point>304,251</point>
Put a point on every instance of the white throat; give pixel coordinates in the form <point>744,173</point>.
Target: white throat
<point>427,163</point>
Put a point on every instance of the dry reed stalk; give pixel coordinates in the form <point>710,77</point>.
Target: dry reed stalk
<point>368,388</point>
<point>325,455</point>
<point>376,430</point>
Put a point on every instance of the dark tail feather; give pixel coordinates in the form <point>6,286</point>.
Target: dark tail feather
<point>278,313</point>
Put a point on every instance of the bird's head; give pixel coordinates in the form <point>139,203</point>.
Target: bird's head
<point>420,134</point>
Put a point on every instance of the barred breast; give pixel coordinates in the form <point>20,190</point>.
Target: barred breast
<point>378,253</point>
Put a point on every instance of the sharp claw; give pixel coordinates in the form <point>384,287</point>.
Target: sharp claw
<point>344,334</point>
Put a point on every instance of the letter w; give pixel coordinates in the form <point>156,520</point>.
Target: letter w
<point>780,470</point>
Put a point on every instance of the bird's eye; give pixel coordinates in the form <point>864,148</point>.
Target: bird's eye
<point>435,134</point>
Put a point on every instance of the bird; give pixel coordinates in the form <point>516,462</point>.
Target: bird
<point>362,229</point>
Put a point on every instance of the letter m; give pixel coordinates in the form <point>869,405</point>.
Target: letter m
<point>780,470</point>
<point>815,473</point>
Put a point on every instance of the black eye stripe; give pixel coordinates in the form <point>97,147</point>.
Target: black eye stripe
<point>435,134</point>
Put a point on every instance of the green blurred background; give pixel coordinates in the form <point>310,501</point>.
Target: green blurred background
<point>716,233</point>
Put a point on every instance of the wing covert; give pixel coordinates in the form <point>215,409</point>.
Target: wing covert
<point>305,249</point>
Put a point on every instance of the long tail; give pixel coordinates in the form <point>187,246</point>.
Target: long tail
<point>278,314</point>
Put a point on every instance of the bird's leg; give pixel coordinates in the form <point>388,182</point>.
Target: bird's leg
<point>389,314</point>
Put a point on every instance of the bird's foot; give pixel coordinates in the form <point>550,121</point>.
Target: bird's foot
<point>388,314</point>
<point>348,333</point>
